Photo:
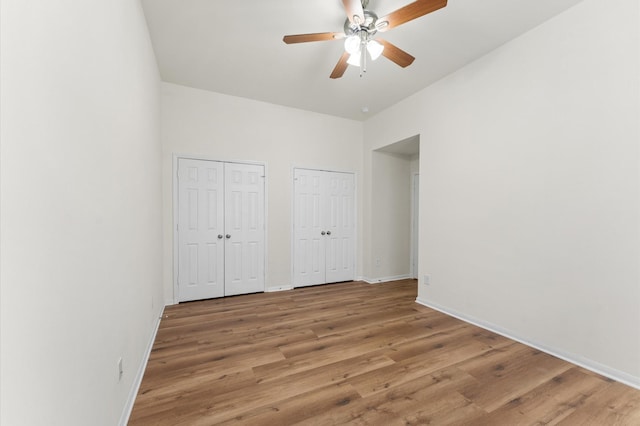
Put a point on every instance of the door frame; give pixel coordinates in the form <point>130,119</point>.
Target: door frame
<point>355,212</point>
<point>415,217</point>
<point>174,211</point>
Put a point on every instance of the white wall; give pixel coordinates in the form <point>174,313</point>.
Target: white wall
<point>221,127</point>
<point>530,170</point>
<point>80,210</point>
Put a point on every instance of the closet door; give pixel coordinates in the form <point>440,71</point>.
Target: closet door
<point>200,229</point>
<point>220,229</point>
<point>340,227</point>
<point>324,227</point>
<point>309,235</point>
<point>244,228</point>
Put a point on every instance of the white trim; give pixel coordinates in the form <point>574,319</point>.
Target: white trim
<point>174,236</point>
<point>355,213</point>
<point>386,279</point>
<point>137,381</point>
<point>265,193</point>
<point>292,215</point>
<point>319,169</point>
<point>576,359</point>
<point>218,159</point>
<point>414,241</point>
<point>174,233</point>
<point>281,288</point>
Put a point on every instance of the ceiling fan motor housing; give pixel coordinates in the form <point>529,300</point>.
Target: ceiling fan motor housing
<point>368,27</point>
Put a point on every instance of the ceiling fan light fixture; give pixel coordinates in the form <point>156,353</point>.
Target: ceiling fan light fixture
<point>352,44</point>
<point>354,59</point>
<point>375,49</point>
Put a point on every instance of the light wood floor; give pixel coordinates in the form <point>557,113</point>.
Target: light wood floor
<point>361,354</point>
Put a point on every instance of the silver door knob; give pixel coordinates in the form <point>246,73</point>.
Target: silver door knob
<point>228,236</point>
<point>328,232</point>
<point>219,236</point>
<point>322,233</point>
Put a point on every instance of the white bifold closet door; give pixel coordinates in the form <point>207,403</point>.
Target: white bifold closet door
<point>324,227</point>
<point>220,229</point>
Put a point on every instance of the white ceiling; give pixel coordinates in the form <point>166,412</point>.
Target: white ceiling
<point>235,47</point>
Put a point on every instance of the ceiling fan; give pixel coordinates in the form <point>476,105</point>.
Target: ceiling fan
<point>360,28</point>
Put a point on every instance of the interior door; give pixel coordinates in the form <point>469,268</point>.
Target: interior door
<point>324,227</point>
<point>309,241</point>
<point>200,229</point>
<point>244,228</point>
<point>340,227</point>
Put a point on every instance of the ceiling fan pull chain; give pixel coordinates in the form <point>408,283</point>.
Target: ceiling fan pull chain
<point>363,49</point>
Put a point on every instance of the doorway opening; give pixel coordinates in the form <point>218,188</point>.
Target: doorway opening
<point>395,210</point>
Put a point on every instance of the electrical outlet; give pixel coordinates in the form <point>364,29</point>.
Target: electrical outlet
<point>427,280</point>
<point>377,262</point>
<point>120,370</point>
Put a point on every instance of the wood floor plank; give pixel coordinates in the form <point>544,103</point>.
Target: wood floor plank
<point>335,372</point>
<point>163,394</point>
<point>550,402</point>
<point>612,405</point>
<point>439,341</point>
<point>328,351</point>
<point>446,350</point>
<point>426,394</point>
<point>299,408</point>
<point>506,379</point>
<point>358,354</point>
<point>379,335</point>
<point>242,355</point>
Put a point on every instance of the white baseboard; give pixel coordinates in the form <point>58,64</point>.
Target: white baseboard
<point>385,279</point>
<point>280,288</point>
<point>137,381</point>
<point>581,361</point>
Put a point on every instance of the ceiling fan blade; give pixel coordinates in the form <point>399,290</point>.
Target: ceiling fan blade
<point>341,66</point>
<point>304,38</point>
<point>395,54</point>
<point>409,12</point>
<point>354,11</point>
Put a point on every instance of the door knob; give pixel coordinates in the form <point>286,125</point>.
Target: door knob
<point>228,236</point>
<point>219,236</point>
<point>328,232</point>
<point>322,233</point>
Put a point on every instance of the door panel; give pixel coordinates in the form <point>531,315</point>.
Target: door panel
<point>309,244</point>
<point>244,223</point>
<point>200,252</point>
<point>341,224</point>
